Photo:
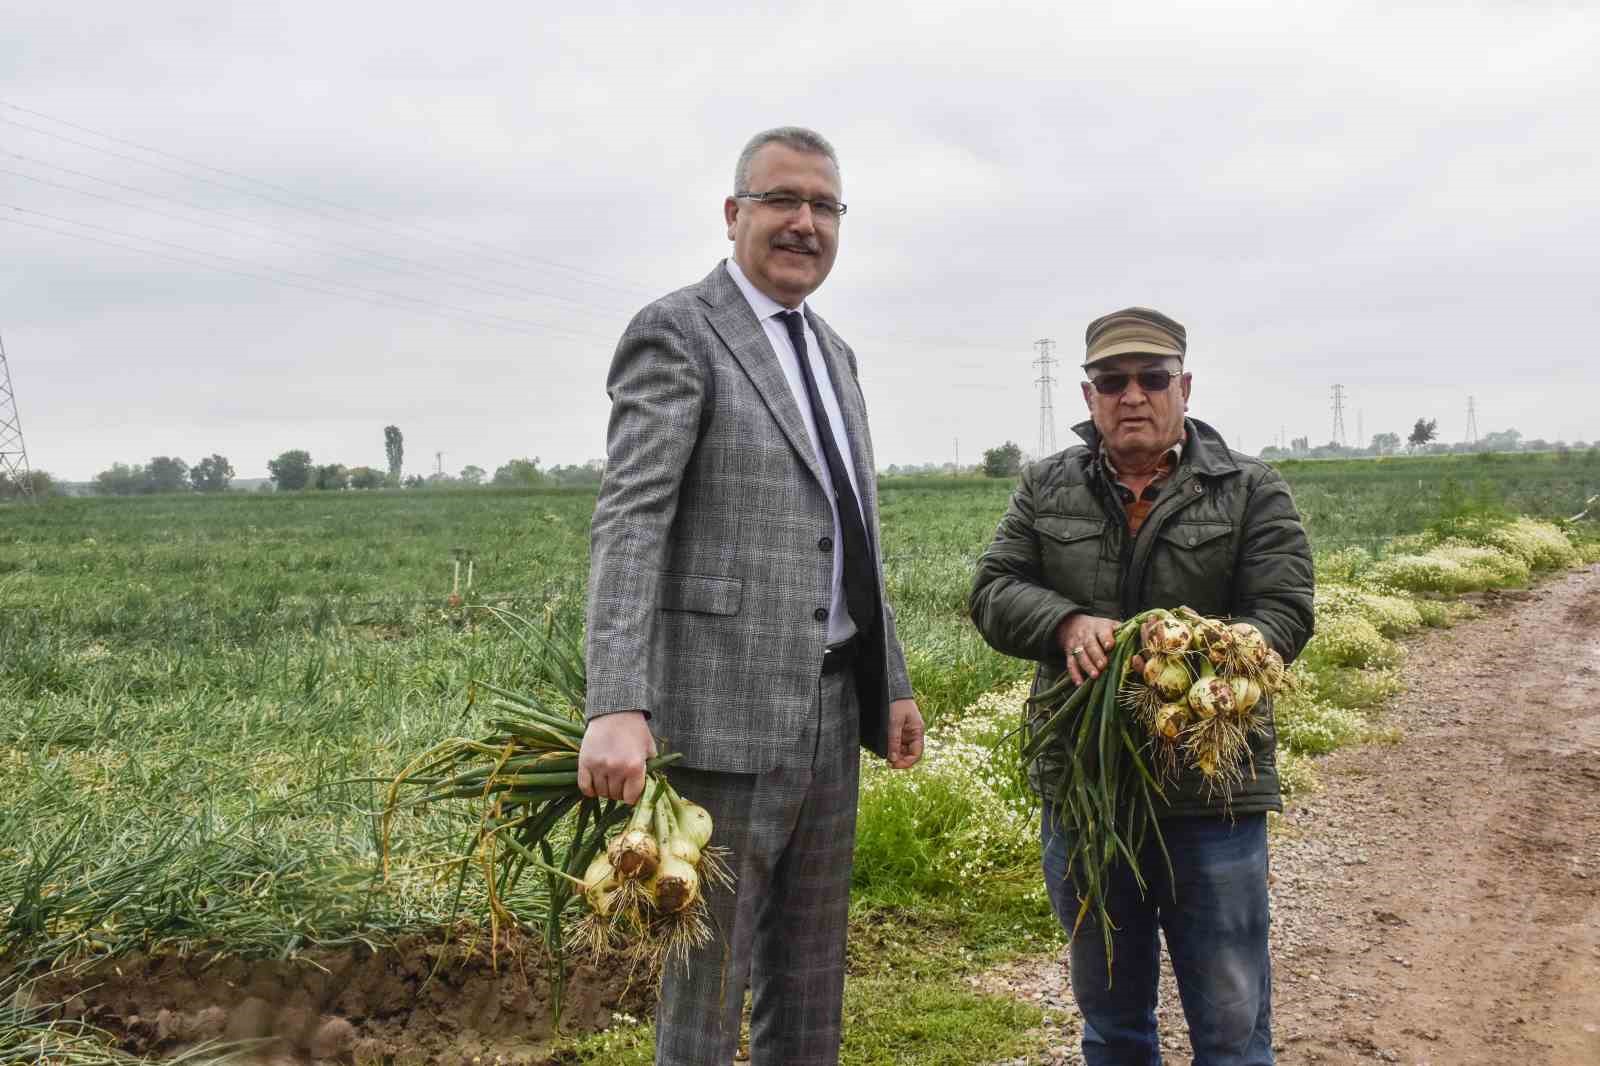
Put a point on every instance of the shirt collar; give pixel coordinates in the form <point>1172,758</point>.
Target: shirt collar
<point>763,305</point>
<point>1165,466</point>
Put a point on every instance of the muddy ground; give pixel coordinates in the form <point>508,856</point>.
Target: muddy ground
<point>421,1000</point>
<point>1438,902</point>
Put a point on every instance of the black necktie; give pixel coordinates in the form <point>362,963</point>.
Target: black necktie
<point>860,582</point>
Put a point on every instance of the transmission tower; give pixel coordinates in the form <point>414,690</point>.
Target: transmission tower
<point>1472,420</point>
<point>1338,415</point>
<point>1047,407</point>
<point>13,453</point>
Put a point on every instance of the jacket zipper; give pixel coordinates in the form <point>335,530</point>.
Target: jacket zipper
<point>1136,553</point>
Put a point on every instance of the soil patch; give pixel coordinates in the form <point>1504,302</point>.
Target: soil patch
<point>421,1000</point>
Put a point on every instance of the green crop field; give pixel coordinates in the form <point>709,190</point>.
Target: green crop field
<point>202,697</point>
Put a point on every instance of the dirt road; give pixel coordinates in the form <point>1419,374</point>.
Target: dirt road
<point>1438,902</point>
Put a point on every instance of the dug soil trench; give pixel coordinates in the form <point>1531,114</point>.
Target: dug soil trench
<point>418,1001</point>
<point>1438,901</point>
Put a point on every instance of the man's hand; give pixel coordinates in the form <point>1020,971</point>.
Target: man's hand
<point>905,734</point>
<point>1086,640</point>
<point>611,760</point>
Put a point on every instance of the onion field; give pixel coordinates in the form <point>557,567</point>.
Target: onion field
<point>203,699</point>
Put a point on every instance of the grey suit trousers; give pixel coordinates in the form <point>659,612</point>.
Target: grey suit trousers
<point>781,932</point>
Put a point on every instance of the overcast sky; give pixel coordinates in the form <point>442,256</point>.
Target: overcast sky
<point>442,217</point>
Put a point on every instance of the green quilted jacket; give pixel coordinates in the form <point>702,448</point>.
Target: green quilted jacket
<point>1223,538</point>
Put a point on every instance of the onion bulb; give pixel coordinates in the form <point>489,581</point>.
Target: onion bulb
<point>1162,634</point>
<point>1252,647</point>
<point>1211,696</point>
<point>600,885</point>
<point>1246,694</point>
<point>1168,675</point>
<point>676,886</point>
<point>1171,718</point>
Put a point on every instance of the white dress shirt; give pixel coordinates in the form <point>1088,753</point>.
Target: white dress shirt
<point>840,625</point>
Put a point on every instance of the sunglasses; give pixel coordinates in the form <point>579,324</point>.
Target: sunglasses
<point>1149,381</point>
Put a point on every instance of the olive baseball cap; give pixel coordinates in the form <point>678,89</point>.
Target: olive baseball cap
<point>1134,331</point>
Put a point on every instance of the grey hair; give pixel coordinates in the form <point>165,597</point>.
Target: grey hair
<point>796,137</point>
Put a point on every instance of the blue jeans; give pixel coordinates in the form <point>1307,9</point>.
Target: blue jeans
<point>1215,921</point>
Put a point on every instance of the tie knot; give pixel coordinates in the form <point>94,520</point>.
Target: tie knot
<point>795,323</point>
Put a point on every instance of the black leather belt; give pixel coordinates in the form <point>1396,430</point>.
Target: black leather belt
<point>841,657</point>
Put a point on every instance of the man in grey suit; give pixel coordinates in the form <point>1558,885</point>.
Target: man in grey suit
<point>736,606</point>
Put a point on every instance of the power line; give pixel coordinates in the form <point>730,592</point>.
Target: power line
<point>393,227</point>
<point>300,245</point>
<point>1472,420</point>
<point>433,235</point>
<point>471,317</point>
<point>313,277</point>
<point>1338,415</point>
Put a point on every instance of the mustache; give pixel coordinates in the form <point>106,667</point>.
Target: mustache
<point>803,247</point>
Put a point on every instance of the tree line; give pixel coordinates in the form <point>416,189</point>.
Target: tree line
<point>295,471</point>
<point>1424,440</point>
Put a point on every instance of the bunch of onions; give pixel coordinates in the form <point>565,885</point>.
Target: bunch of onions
<point>645,891</point>
<point>637,874</point>
<point>1193,703</point>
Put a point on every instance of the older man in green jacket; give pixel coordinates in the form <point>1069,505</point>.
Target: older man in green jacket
<point>1154,510</point>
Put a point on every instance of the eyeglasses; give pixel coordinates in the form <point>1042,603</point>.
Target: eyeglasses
<point>1149,381</point>
<point>788,203</point>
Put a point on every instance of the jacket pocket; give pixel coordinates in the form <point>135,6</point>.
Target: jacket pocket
<point>1069,554</point>
<point>1195,536</point>
<point>1064,530</point>
<point>699,593</point>
<point>1193,565</point>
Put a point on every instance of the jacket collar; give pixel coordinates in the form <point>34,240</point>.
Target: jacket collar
<point>741,331</point>
<point>1204,450</point>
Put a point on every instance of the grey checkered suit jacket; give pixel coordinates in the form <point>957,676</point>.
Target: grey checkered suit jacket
<point>706,573</point>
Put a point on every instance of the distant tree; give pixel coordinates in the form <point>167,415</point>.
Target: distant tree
<point>415,481</point>
<point>39,483</point>
<point>473,475</point>
<point>1424,431</point>
<point>1004,461</point>
<point>166,473</point>
<point>291,470</point>
<point>1507,440</point>
<point>587,474</point>
<point>120,480</point>
<point>211,474</point>
<point>1537,444</point>
<point>332,477</point>
<point>521,473</point>
<point>365,477</point>
<point>1300,444</point>
<point>1385,443</point>
<point>394,446</point>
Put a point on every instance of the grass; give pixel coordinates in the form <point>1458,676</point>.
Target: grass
<point>201,697</point>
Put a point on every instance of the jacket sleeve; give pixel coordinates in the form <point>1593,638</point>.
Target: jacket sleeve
<point>1013,608</point>
<point>899,677</point>
<point>658,389</point>
<point>1274,579</point>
